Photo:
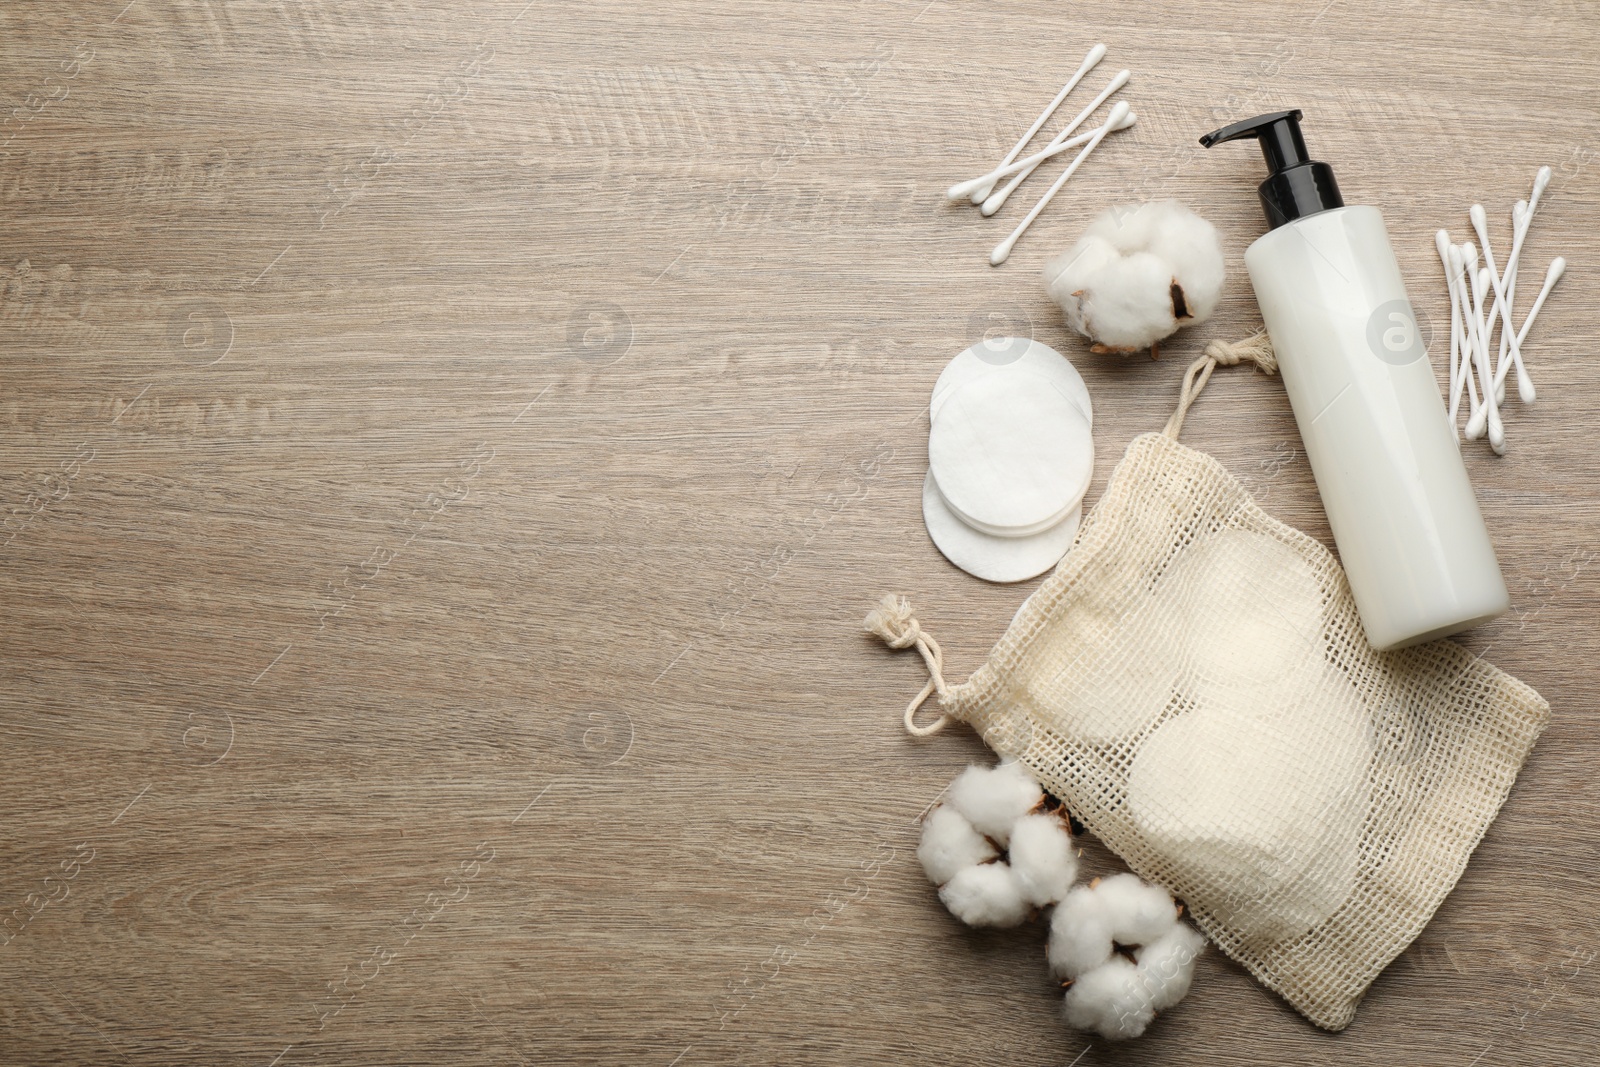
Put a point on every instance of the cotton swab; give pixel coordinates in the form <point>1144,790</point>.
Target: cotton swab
<point>1441,241</point>
<point>1480,223</point>
<point>1541,181</point>
<point>1558,267</point>
<point>1476,287</point>
<point>998,199</point>
<point>1458,270</point>
<point>960,190</point>
<point>1508,276</point>
<point>1500,309</point>
<point>1508,280</point>
<point>1469,357</point>
<point>1003,250</point>
<point>1475,421</point>
<point>1520,227</point>
<point>1090,61</point>
<point>1491,404</point>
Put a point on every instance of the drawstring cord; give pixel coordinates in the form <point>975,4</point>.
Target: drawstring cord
<point>892,621</point>
<point>1256,348</point>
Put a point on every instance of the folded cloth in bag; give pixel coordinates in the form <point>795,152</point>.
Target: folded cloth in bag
<point>1193,682</point>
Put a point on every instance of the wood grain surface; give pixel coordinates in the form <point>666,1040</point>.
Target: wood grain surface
<point>447,450</point>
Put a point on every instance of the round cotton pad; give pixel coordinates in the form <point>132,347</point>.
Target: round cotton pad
<point>1010,453</point>
<point>994,559</point>
<point>1259,809</point>
<point>1012,353</point>
<point>1254,609</point>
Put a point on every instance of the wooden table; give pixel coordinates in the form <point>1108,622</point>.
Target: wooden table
<point>448,450</point>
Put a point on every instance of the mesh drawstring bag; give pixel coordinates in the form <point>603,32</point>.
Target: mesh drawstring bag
<point>1193,682</point>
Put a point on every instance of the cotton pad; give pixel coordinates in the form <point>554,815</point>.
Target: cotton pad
<point>1260,807</point>
<point>1252,609</point>
<point>994,559</point>
<point>1008,354</point>
<point>1010,453</point>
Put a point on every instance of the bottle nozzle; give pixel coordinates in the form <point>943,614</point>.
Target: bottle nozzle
<point>1296,185</point>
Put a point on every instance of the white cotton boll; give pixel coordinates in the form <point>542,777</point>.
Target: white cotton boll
<point>1137,274</point>
<point>949,843</point>
<point>1080,934</point>
<point>1110,1000</point>
<point>1137,911</point>
<point>1042,858</point>
<point>986,895</point>
<point>1124,306</point>
<point>1166,965</point>
<point>992,798</point>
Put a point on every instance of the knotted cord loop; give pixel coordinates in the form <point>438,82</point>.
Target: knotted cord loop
<point>892,621</point>
<point>1257,349</point>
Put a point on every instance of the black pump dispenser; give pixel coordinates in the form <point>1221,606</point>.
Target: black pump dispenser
<point>1297,186</point>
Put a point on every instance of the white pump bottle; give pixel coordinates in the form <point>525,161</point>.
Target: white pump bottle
<point>1387,464</point>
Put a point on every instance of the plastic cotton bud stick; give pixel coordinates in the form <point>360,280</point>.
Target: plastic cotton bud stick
<point>1541,181</point>
<point>997,200</point>
<point>1002,251</point>
<point>1459,269</point>
<point>1090,61</point>
<point>1491,403</point>
<point>1441,241</point>
<point>1480,223</point>
<point>960,190</point>
<point>1558,267</point>
<point>1476,287</point>
<point>1508,279</point>
<point>1485,326</point>
<point>1463,310</point>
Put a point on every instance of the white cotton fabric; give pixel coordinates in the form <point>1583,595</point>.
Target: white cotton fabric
<point>1137,274</point>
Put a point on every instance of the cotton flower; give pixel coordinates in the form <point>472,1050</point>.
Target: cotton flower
<point>1137,274</point>
<point>980,884</point>
<point>1041,856</point>
<point>949,843</point>
<point>1109,994</point>
<point>998,856</point>
<point>993,798</point>
<point>985,895</point>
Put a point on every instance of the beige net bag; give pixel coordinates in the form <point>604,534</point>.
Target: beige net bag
<point>1194,684</point>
